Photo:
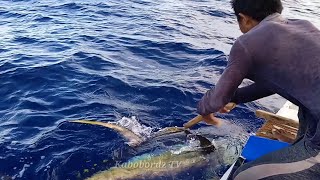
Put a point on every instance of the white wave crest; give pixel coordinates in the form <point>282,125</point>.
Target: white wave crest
<point>134,125</point>
<point>192,144</point>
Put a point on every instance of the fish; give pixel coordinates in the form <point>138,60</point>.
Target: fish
<point>189,152</point>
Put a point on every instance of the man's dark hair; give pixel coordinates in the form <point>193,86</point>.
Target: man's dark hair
<point>257,9</point>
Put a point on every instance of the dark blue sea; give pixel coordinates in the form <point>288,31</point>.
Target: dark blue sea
<point>63,60</point>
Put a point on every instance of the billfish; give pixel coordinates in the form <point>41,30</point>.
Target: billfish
<point>193,153</point>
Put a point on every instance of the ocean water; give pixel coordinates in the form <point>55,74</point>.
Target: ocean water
<point>63,60</point>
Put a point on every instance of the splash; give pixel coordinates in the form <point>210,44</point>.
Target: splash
<point>135,126</point>
<point>192,144</point>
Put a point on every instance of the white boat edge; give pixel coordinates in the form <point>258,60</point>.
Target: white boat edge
<point>227,173</point>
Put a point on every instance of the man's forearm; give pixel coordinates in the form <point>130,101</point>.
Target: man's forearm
<point>250,93</point>
<point>238,66</point>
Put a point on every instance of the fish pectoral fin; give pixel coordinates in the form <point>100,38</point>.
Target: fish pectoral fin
<point>132,138</point>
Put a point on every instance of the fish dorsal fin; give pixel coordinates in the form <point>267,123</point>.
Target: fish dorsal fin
<point>132,138</point>
<point>205,144</point>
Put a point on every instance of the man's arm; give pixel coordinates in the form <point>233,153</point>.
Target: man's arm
<point>250,93</point>
<point>238,68</point>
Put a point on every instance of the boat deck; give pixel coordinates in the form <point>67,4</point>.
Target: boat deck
<point>286,121</point>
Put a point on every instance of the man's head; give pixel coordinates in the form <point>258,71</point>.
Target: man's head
<point>251,12</point>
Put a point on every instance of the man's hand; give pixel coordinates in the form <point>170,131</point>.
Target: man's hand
<point>210,119</point>
<point>227,108</point>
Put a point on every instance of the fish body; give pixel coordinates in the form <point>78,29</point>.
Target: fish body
<point>205,158</point>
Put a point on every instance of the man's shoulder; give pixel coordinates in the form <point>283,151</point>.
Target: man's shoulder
<point>268,30</point>
<point>261,30</point>
<point>281,25</point>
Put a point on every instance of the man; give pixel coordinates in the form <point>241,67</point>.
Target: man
<point>281,56</point>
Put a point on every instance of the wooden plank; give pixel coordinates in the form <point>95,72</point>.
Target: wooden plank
<point>274,122</point>
<point>276,118</point>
